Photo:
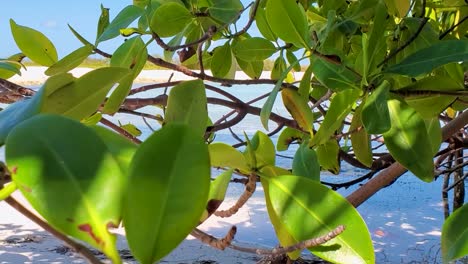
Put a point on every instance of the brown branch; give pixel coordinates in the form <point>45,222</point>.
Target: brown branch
<point>78,248</point>
<point>392,173</point>
<point>299,246</point>
<point>120,130</point>
<point>249,190</point>
<point>152,86</point>
<point>213,241</point>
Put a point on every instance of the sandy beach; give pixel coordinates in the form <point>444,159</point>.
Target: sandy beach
<point>35,75</point>
<point>404,219</point>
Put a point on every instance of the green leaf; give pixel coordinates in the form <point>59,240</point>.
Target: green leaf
<point>306,216</point>
<point>170,19</point>
<point>454,239</point>
<point>262,149</point>
<point>121,148</point>
<point>218,189</point>
<point>8,69</point>
<point>287,136</point>
<point>282,233</point>
<point>375,116</point>
<point>335,77</point>
<point>340,107</point>
<point>187,105</point>
<point>292,27</point>
<point>430,105</point>
<point>225,11</point>
<point>79,37</point>
<point>122,20</point>
<point>327,155</point>
<point>103,23</point>
<point>254,49</point>
<point>131,129</point>
<point>360,139</point>
<point>305,163</point>
<point>70,61</point>
<point>167,192</point>
<point>408,142</point>
<point>398,8</point>
<point>17,113</point>
<point>299,109</point>
<point>132,55</point>
<point>82,97</point>
<point>253,69</point>
<point>141,3</point>
<point>225,156</point>
<point>305,84</point>
<point>292,59</point>
<point>81,201</point>
<point>34,44</point>
<point>263,26</point>
<point>221,61</point>
<point>268,106</point>
<point>434,132</point>
<point>425,60</point>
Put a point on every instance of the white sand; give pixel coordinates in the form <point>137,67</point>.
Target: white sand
<point>35,75</point>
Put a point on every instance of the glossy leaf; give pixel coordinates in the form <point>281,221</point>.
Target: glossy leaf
<point>305,84</point>
<point>454,239</point>
<point>268,106</point>
<point>187,105</point>
<point>132,55</point>
<point>79,37</point>
<point>70,61</point>
<point>292,59</point>
<point>306,216</point>
<point>340,107</point>
<point>224,156</point>
<point>253,69</point>
<point>426,59</point>
<point>305,163</point>
<point>225,11</point>
<point>375,116</point>
<point>218,189</point>
<point>287,136</point>
<point>17,113</point>
<point>8,69</point>
<point>170,19</point>
<point>360,139</point>
<point>221,61</point>
<point>103,22</point>
<point>328,156</point>
<point>282,233</point>
<point>34,44</point>
<point>254,49</point>
<point>121,148</point>
<point>82,97</point>
<point>123,19</point>
<point>434,132</point>
<point>81,201</point>
<point>408,142</point>
<point>292,27</point>
<point>262,149</point>
<point>333,76</point>
<point>299,109</point>
<point>263,26</point>
<point>167,192</point>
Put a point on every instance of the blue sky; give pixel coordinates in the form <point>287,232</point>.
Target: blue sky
<point>51,18</point>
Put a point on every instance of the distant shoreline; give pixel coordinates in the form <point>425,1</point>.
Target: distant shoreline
<point>34,75</point>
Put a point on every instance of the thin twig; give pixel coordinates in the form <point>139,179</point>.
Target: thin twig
<point>213,241</point>
<point>120,130</point>
<point>249,190</point>
<point>78,248</point>
<point>299,246</point>
<point>441,36</point>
